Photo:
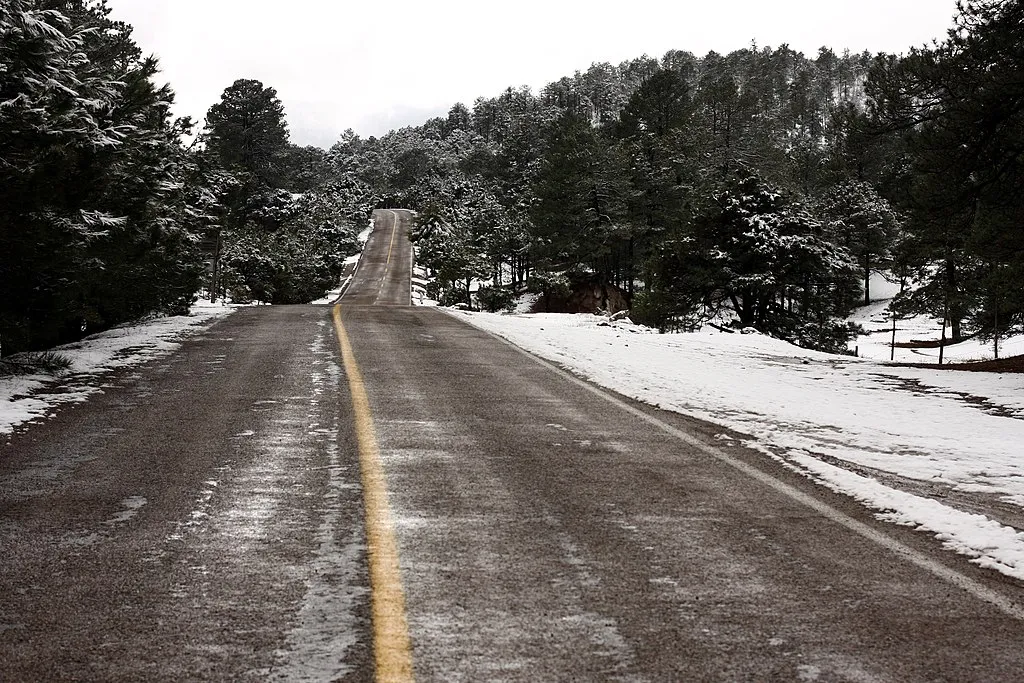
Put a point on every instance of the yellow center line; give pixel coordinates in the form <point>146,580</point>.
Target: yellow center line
<point>391,644</point>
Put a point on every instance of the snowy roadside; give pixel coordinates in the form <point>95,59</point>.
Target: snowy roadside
<point>28,398</point>
<point>420,280</point>
<point>857,426</point>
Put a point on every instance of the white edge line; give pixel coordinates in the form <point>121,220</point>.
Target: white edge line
<point>965,583</point>
<point>412,267</point>
<point>412,253</point>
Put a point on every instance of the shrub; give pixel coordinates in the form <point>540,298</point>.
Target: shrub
<point>655,308</point>
<point>450,296</point>
<point>830,336</point>
<point>495,299</point>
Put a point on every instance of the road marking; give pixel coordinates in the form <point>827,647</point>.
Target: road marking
<point>412,270</point>
<point>387,264</point>
<point>394,229</point>
<point>391,644</point>
<point>962,581</point>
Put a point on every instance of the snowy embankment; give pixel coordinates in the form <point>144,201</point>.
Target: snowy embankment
<point>27,398</point>
<point>420,280</point>
<point>894,438</point>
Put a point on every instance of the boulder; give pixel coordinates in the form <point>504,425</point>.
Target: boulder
<point>585,296</point>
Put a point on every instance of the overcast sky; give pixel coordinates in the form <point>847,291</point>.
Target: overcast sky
<point>381,64</point>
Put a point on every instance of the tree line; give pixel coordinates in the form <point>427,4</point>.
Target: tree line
<point>763,183</point>
<point>107,214</point>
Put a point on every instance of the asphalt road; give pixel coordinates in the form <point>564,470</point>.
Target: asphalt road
<point>239,511</point>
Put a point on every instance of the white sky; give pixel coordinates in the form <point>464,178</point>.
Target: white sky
<point>382,64</point>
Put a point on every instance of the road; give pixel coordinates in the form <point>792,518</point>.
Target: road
<point>333,493</point>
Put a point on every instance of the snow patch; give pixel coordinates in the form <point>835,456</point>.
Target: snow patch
<point>132,505</point>
<point>32,398</point>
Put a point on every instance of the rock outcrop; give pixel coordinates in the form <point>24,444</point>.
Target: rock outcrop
<point>585,296</point>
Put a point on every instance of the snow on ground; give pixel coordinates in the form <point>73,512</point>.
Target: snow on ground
<point>526,302</point>
<point>877,323</point>
<point>420,279</point>
<point>880,433</point>
<point>28,398</point>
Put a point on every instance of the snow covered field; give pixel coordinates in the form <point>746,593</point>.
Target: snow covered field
<point>905,441</point>
<point>877,323</point>
<point>28,398</point>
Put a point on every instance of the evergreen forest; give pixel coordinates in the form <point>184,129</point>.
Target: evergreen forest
<point>763,186</point>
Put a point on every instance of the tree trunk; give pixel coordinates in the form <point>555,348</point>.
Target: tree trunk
<point>746,310</point>
<point>867,279</point>
<point>892,345</point>
<point>630,274</point>
<point>215,276</point>
<point>954,313</point>
<point>942,339</point>
<point>995,337</point>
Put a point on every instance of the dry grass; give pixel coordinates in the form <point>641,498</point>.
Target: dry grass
<point>34,363</point>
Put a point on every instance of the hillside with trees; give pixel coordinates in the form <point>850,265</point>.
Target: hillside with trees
<point>762,186</point>
<point>107,215</point>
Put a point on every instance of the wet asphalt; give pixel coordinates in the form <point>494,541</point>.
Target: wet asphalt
<point>202,520</point>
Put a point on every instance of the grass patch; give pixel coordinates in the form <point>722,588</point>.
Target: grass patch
<point>35,363</point>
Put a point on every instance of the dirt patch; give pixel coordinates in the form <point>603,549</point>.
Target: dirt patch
<point>995,506</point>
<point>918,387</point>
<point>1011,364</point>
<point>931,343</point>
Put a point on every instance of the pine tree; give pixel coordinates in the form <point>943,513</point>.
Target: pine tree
<point>95,216</point>
<point>580,189</point>
<point>960,107</point>
<point>247,131</point>
<point>653,128</point>
<point>861,221</point>
<point>751,250</point>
